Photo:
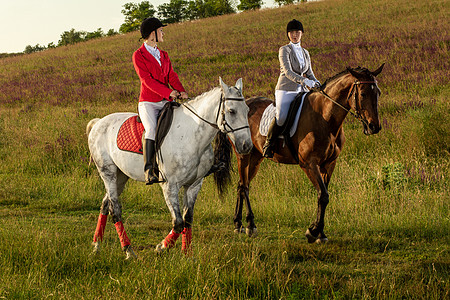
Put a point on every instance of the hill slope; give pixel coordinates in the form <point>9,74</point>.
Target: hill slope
<point>412,38</point>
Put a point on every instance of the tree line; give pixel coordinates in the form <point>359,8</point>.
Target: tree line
<point>171,12</point>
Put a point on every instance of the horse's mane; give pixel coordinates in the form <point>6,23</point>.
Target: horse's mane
<point>361,70</point>
<point>204,94</point>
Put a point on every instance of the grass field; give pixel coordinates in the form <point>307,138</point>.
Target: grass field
<point>388,218</point>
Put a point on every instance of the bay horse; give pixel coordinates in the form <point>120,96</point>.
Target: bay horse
<point>317,142</point>
<point>184,158</point>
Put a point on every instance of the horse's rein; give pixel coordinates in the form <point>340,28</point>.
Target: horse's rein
<point>355,85</point>
<point>224,121</point>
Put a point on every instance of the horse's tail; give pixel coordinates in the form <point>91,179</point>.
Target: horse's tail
<point>222,156</point>
<point>90,125</point>
<point>88,130</point>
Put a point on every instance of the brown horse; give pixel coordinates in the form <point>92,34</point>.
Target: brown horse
<point>318,140</point>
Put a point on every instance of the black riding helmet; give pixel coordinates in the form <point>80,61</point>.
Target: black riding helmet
<point>294,25</point>
<point>149,25</point>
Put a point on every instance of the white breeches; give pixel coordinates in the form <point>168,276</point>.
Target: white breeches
<point>283,100</point>
<point>148,112</point>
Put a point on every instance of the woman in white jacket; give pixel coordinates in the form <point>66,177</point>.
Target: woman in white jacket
<point>296,76</point>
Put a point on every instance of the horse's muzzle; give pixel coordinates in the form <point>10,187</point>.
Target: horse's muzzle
<point>372,128</point>
<point>245,147</point>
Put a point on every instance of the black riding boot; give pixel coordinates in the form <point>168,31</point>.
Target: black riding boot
<point>149,161</point>
<point>272,135</point>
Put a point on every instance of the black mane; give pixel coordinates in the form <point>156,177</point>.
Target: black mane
<point>361,70</point>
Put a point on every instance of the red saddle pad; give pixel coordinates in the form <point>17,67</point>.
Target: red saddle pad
<point>129,137</point>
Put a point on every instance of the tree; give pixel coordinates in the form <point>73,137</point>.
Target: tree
<point>135,14</point>
<point>174,11</point>
<point>111,32</point>
<point>209,8</point>
<point>30,49</point>
<point>93,35</point>
<point>285,2</point>
<point>250,4</point>
<point>71,37</point>
<point>221,7</point>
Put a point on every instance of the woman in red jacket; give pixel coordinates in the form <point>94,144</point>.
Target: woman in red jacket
<point>159,84</point>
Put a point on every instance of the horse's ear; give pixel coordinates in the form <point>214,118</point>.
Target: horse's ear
<point>378,71</point>
<point>353,72</point>
<point>222,84</point>
<point>239,84</point>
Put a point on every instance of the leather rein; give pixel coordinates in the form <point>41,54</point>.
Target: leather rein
<point>355,86</point>
<point>220,111</point>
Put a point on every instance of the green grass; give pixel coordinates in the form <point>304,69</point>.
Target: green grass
<point>388,217</point>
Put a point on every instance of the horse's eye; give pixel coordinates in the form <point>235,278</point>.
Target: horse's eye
<point>232,111</point>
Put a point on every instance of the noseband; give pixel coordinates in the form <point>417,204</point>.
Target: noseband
<point>353,91</point>
<point>220,111</point>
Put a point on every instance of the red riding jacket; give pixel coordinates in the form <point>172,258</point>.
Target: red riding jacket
<point>155,78</point>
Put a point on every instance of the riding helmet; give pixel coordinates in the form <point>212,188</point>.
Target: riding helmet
<point>294,25</point>
<point>149,25</point>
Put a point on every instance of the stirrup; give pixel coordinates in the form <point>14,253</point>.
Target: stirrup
<point>268,151</point>
<point>151,178</point>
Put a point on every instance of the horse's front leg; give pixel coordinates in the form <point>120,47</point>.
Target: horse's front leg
<point>315,232</point>
<point>190,196</point>
<point>170,191</point>
<point>247,170</point>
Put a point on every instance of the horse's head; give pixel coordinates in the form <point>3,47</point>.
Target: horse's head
<point>363,98</point>
<point>233,117</point>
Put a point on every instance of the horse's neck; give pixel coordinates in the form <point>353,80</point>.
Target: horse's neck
<point>205,107</point>
<point>324,108</point>
<point>207,104</point>
<point>338,91</point>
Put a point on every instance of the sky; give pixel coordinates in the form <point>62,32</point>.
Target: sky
<point>32,22</point>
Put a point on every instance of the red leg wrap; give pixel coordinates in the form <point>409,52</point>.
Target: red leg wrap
<point>124,240</point>
<point>100,230</point>
<point>170,239</point>
<point>186,238</point>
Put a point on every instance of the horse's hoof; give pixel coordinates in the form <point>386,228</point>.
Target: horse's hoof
<point>96,249</point>
<point>239,230</point>
<point>251,232</point>
<point>160,248</point>
<point>129,253</point>
<point>322,241</point>
<point>310,237</point>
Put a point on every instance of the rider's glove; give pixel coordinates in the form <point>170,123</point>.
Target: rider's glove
<point>309,83</point>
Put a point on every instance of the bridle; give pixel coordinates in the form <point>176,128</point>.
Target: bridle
<point>353,92</point>
<point>220,111</point>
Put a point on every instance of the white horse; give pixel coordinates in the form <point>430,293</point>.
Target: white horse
<point>184,158</point>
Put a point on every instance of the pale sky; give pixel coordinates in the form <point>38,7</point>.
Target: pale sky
<point>31,22</point>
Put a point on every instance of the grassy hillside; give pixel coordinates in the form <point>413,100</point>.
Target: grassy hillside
<point>388,218</point>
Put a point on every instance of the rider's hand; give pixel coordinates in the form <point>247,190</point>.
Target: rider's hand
<point>184,95</point>
<point>174,94</point>
<point>309,83</point>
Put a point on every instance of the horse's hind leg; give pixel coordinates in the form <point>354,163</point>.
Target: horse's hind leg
<point>121,180</point>
<point>101,224</point>
<point>114,181</point>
